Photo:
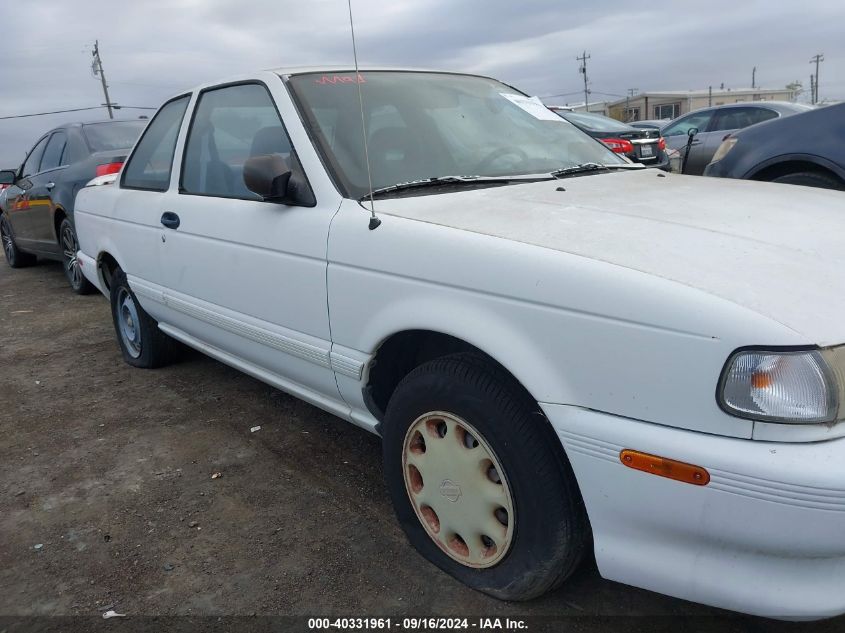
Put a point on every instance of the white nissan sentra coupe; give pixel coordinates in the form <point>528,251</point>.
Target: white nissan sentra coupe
<point>559,348</point>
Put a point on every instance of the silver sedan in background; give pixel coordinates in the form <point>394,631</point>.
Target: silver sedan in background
<point>715,123</point>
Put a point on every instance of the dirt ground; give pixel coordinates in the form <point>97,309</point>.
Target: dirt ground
<point>107,498</point>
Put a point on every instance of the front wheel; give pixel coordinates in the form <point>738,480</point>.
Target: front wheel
<point>140,340</point>
<point>811,179</point>
<point>478,480</point>
<point>14,256</point>
<point>73,271</point>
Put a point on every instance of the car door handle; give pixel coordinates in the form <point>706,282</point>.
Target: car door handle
<point>50,186</point>
<point>696,142</point>
<point>170,220</point>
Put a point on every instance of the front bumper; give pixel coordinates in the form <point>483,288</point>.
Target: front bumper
<point>766,536</point>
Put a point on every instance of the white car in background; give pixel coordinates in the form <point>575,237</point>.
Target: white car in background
<point>558,348</point>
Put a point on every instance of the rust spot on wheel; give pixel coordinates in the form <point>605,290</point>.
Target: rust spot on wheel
<point>431,518</point>
<point>458,545</point>
<point>415,478</point>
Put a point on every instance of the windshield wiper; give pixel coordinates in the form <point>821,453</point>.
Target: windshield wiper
<point>590,167</point>
<point>456,180</point>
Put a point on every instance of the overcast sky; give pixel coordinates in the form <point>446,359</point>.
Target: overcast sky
<point>154,48</point>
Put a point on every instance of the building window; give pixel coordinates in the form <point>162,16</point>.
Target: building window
<point>667,111</point>
<point>632,114</point>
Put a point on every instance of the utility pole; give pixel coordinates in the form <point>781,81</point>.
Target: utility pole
<point>710,96</point>
<point>754,78</point>
<point>812,89</point>
<point>583,70</point>
<point>631,93</point>
<point>815,60</point>
<point>97,69</point>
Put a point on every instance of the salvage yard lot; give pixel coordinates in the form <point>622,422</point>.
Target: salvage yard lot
<point>109,469</point>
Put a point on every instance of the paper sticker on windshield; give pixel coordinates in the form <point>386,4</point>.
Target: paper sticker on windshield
<point>533,106</point>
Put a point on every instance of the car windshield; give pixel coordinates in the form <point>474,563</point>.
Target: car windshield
<point>433,125</point>
<point>112,135</point>
<point>595,122</point>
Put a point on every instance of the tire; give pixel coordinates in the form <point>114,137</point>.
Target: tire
<point>141,342</point>
<point>545,533</point>
<point>811,179</point>
<point>70,246</point>
<point>15,257</point>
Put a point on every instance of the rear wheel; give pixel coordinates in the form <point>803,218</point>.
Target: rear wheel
<point>479,482</point>
<point>140,340</point>
<point>811,179</point>
<point>73,271</point>
<point>14,256</point>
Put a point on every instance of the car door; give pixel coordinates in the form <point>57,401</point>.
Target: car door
<point>246,276</point>
<point>41,204</point>
<point>131,229</point>
<point>676,135</point>
<point>18,209</point>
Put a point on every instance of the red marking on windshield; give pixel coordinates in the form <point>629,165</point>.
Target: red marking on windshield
<point>339,79</point>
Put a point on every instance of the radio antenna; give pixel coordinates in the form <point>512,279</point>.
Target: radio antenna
<point>374,221</point>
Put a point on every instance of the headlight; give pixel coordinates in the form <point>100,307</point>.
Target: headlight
<point>789,386</point>
<point>726,146</point>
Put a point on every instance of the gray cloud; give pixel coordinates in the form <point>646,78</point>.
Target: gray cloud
<point>155,48</point>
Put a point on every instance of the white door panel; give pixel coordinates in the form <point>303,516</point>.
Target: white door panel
<point>259,265</point>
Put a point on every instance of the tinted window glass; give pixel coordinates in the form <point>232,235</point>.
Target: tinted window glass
<point>697,119</point>
<point>738,118</point>
<point>595,122</point>
<point>150,164</point>
<point>230,125</point>
<point>30,167</point>
<point>54,151</point>
<point>112,136</point>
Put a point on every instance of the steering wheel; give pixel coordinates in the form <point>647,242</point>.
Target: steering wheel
<point>485,163</point>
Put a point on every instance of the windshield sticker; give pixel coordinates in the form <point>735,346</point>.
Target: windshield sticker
<point>339,79</point>
<point>533,106</point>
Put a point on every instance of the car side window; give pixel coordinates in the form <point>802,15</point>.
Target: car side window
<point>54,152</point>
<point>758,115</point>
<point>230,125</point>
<point>30,166</point>
<point>150,164</point>
<point>682,127</point>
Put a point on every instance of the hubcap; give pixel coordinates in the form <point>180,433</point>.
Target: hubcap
<point>8,245</point>
<point>458,489</point>
<point>127,318</point>
<point>69,249</point>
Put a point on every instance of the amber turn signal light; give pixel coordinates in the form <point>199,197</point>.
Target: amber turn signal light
<point>663,467</point>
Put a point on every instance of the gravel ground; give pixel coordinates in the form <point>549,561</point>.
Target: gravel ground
<point>107,495</point>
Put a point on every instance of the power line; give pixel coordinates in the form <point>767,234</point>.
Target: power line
<point>23,116</point>
<point>116,107</point>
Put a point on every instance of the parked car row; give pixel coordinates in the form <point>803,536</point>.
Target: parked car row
<point>560,348</point>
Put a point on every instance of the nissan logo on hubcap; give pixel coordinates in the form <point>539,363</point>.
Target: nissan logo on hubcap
<point>450,490</point>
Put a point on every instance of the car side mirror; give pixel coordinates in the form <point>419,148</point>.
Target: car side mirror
<point>8,177</point>
<point>24,183</point>
<point>271,177</point>
<point>692,132</point>
<point>268,176</point>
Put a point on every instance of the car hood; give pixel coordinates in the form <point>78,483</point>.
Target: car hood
<point>775,249</point>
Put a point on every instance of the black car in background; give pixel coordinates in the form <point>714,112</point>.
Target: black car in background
<point>644,146</point>
<point>36,216</point>
<point>803,149</point>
